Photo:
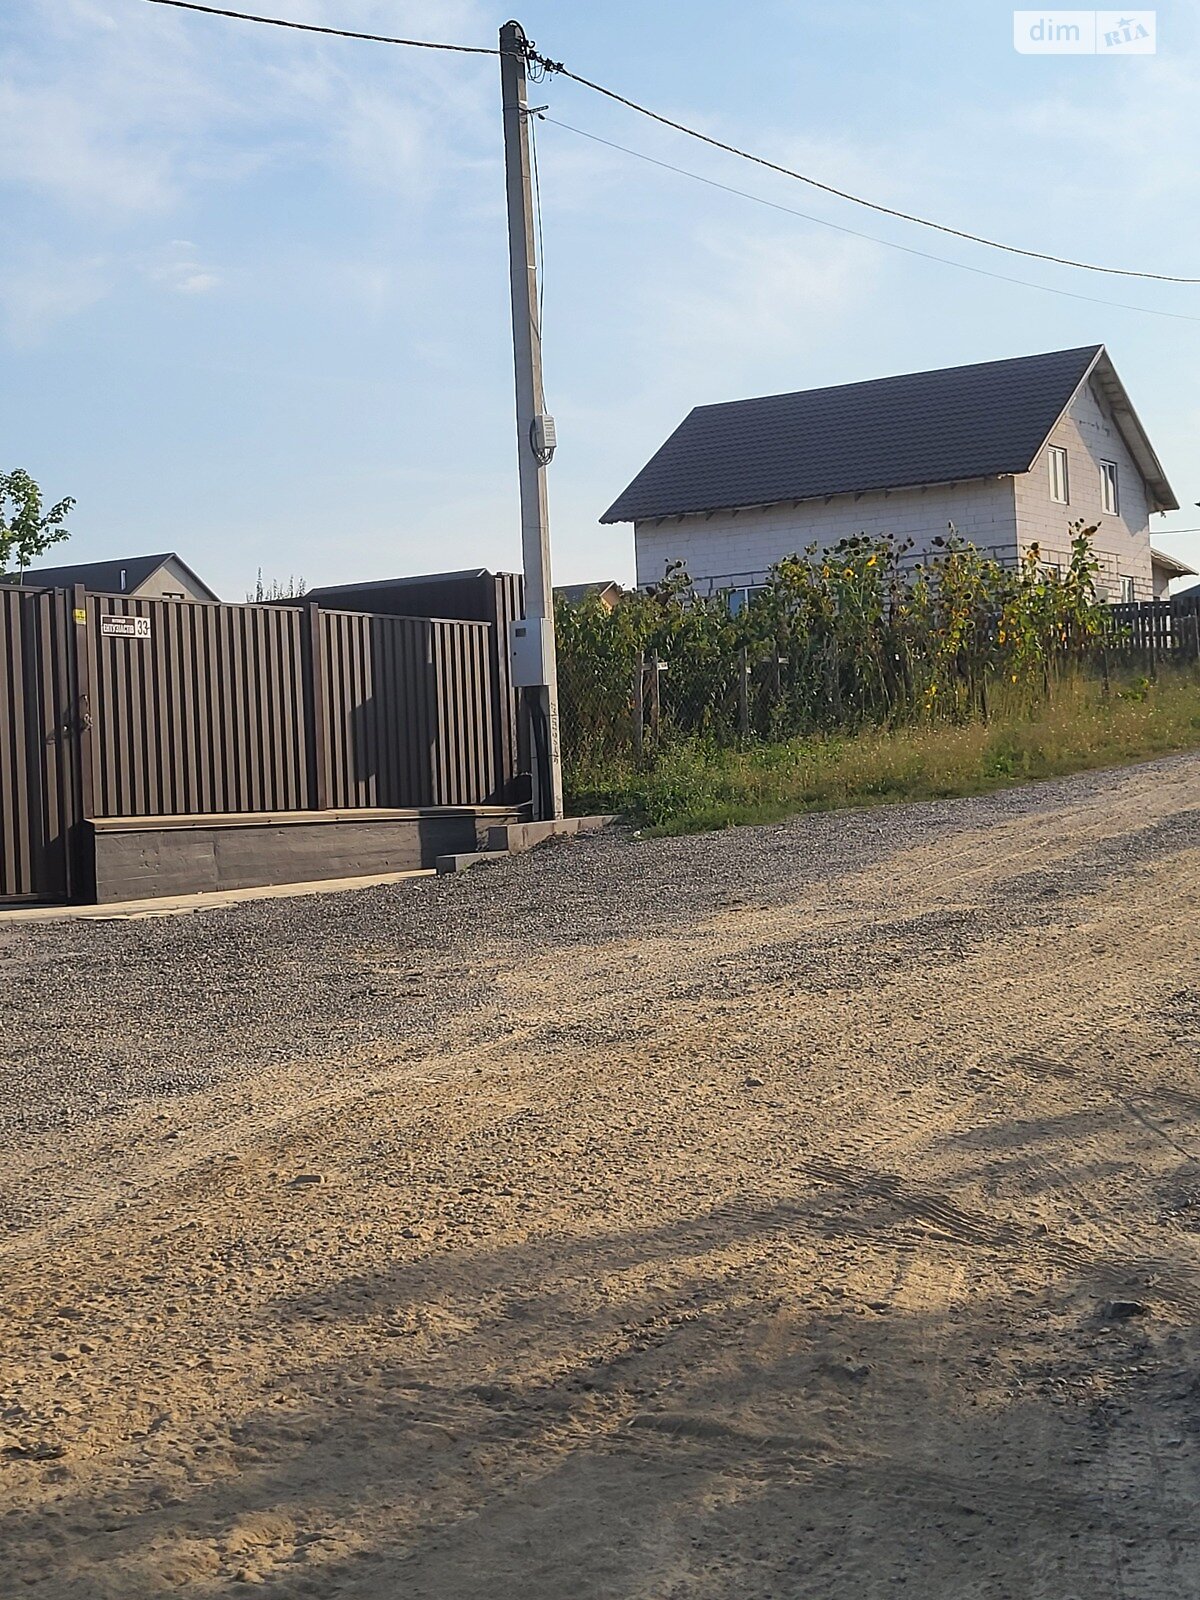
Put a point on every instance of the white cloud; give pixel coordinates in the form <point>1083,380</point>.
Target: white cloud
<point>130,119</point>
<point>40,288</point>
<point>177,267</point>
<point>54,143</point>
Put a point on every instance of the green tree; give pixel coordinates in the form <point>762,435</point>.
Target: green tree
<point>26,531</point>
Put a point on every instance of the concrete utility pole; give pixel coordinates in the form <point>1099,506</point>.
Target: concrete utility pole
<point>531,645</point>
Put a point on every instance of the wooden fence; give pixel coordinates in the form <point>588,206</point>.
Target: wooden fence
<point>1154,629</point>
<point>112,707</point>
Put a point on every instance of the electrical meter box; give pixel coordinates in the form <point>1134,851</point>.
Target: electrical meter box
<point>528,652</point>
<point>544,434</point>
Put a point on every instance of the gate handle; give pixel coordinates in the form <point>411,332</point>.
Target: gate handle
<point>79,723</point>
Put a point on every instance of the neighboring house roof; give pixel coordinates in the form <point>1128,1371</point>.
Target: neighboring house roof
<point>981,421</point>
<point>326,590</point>
<point>473,594</point>
<point>1171,564</point>
<point>105,576</point>
<point>576,593</point>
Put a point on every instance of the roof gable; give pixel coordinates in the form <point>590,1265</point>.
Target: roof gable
<point>104,577</point>
<point>1137,441</point>
<point>985,420</point>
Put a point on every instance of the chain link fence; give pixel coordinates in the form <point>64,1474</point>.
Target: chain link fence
<point>833,643</point>
<point>638,707</point>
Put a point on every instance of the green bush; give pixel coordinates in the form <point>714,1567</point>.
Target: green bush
<point>853,677</point>
<point>694,785</point>
<point>837,641</point>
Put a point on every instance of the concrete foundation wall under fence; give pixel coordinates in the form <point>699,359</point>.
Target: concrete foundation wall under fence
<point>143,857</point>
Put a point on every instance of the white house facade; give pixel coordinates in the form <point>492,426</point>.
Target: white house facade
<point>1011,453</point>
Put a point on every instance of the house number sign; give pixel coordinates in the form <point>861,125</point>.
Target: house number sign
<point>125,627</point>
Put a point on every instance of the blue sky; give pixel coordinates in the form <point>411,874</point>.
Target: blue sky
<point>253,296</point>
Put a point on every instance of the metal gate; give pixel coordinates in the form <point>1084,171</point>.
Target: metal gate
<point>113,707</point>
<point>41,719</point>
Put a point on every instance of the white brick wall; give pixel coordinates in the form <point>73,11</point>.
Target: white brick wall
<point>738,547</point>
<point>1089,435</point>
<point>1004,516</point>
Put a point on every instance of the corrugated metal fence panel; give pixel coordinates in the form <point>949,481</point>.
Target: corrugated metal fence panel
<point>408,710</point>
<point>465,764</point>
<point>37,776</point>
<point>62,800</point>
<point>476,596</point>
<point>172,708</point>
<point>16,829</point>
<point>509,606</point>
<point>205,714</point>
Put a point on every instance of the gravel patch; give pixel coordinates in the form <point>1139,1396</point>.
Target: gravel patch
<point>96,1015</point>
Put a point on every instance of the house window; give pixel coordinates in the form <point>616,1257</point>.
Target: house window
<point>1127,594</point>
<point>738,599</point>
<point>1109,501</point>
<point>1059,488</point>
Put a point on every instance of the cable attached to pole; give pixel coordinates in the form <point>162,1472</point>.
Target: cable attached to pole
<point>541,66</point>
<point>548,67</point>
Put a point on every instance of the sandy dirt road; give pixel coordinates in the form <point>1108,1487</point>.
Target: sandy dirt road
<point>841,1241</point>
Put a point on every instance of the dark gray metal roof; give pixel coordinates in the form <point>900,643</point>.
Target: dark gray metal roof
<point>980,421</point>
<point>330,590</point>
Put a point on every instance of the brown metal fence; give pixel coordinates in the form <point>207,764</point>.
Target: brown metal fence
<point>203,714</point>
<point>112,707</point>
<point>40,794</point>
<point>407,711</point>
<point>476,595</point>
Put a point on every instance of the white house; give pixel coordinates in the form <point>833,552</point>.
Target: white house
<point>1010,452</point>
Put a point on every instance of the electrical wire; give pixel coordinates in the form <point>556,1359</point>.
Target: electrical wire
<point>531,123</point>
<point>857,233</point>
<point>842,194</point>
<point>540,257</point>
<point>312,27</point>
<point>542,66</point>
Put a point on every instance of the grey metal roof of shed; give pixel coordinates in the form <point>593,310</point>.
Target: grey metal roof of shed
<point>327,590</point>
<point>985,420</point>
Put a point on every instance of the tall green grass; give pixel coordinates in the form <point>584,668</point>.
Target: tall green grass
<point>692,786</point>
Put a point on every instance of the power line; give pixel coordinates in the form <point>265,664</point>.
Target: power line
<point>545,65</point>
<point>312,27</point>
<point>844,194</point>
<point>537,209</point>
<point>857,233</point>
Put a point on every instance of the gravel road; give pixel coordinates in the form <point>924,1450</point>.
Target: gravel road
<point>808,1210</point>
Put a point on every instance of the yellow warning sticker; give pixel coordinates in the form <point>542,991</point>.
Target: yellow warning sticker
<point>81,615</point>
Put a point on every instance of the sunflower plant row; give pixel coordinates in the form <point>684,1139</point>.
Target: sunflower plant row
<point>837,639</point>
